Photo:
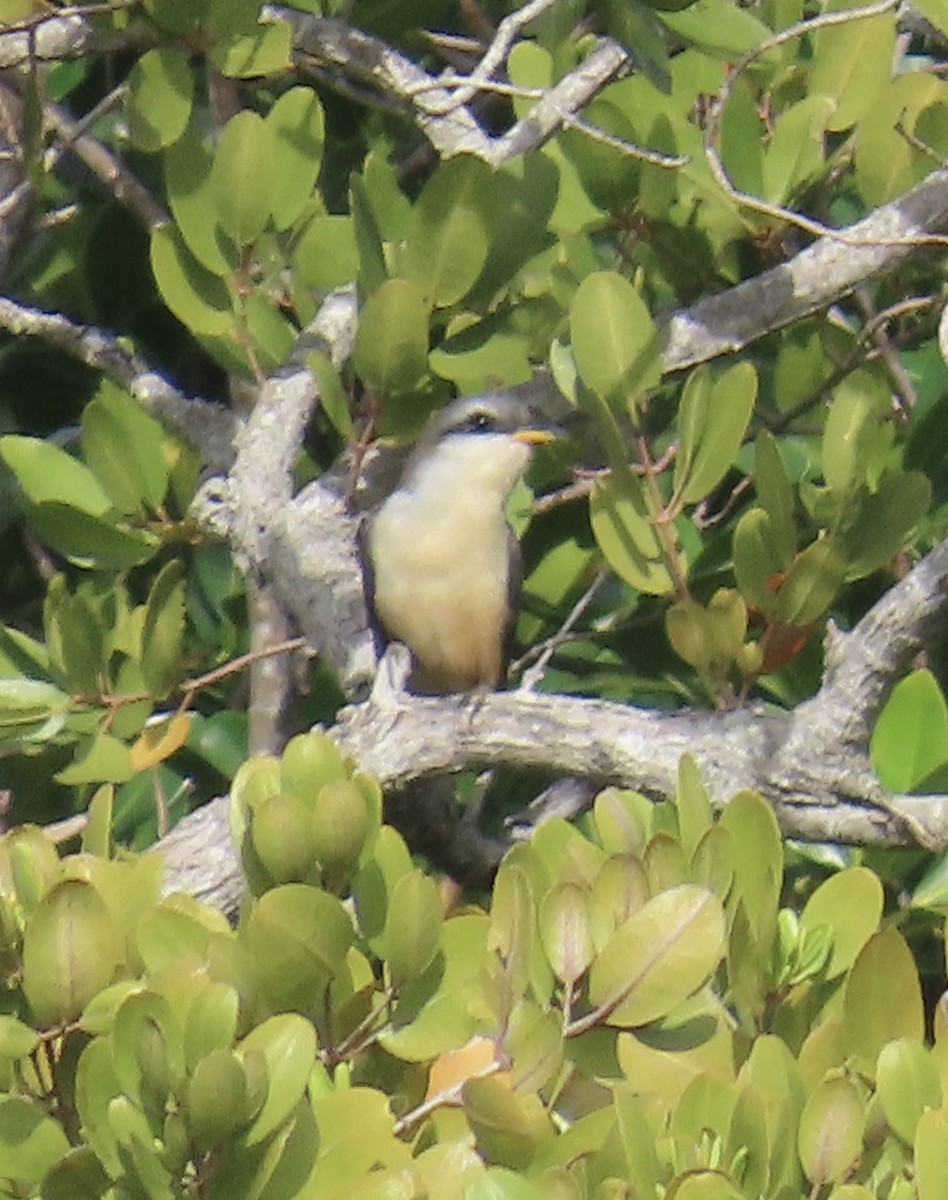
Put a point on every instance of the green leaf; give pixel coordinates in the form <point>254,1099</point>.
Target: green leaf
<point>163,630</point>
<point>147,1049</point>
<point>355,1135</point>
<point>217,1099</point>
<point>513,929</point>
<point>742,149</point>
<point>608,173</point>
<point>620,889</point>
<point>297,937</point>
<point>693,415</point>
<point>831,1128</point>
<point>281,839</point>
<point>326,256</point>
<point>447,1019</point>
<point>47,473</point>
<point>332,395</point>
<point>30,1143</point>
<point>850,903</point>
<point>502,1129</point>
<point>197,297</point>
<point>884,521</point>
<point>533,1041</point>
<point>78,1175</point>
<point>659,186</point>
<point>74,636</point>
<point>718,436</point>
<point>211,1022</point>
<point>625,532</point>
<point>391,346</point>
<point>857,433</point>
<point>297,126</point>
<point>796,151</point>
<point>758,867</point>
<point>310,761</point>
<point>886,162</point>
<point>448,243</point>
<point>243,177</point>
<point>413,929</point>
<point>288,1046</point>
<point>188,165</point>
<point>615,343</point>
<point>760,561</point>
<point>621,819</point>
<point>637,1139</point>
<point>31,709</point>
<point>100,759</point>
<point>88,541</point>
<point>564,927</point>
<point>931,1154</point>
<point>484,355</point>
<point>693,805</point>
<point>801,367</point>
<point>848,61</point>
<point>177,16</point>
<point>390,206</point>
<point>17,1040</point>
<point>71,950</point>
<point>165,934</point>
<point>272,334</point>
<point>160,95</point>
<point>659,957</point>
<point>223,18</point>
<point>812,583</point>
<point>124,447</point>
<point>339,828</point>
<point>692,418</point>
<point>883,997</point>
<point>718,27</point>
<point>907,1084</point>
<point>931,891</point>
<point>372,269</point>
<point>775,494</point>
<point>935,11</point>
<point>771,1075</point>
<point>910,739</point>
<point>686,627</point>
<point>637,25</point>
<point>266,51</point>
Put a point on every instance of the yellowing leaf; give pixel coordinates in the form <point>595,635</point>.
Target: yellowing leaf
<point>659,957</point>
<point>159,742</point>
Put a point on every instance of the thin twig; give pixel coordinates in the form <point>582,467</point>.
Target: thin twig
<point>451,1095</point>
<point>494,57</point>
<point>901,381</point>
<point>654,157</point>
<point>124,186</point>
<point>531,677</point>
<point>713,128</point>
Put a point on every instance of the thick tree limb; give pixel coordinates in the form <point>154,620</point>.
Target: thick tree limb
<point>812,280</point>
<point>210,428</point>
<point>440,112</point>
<point>811,764</point>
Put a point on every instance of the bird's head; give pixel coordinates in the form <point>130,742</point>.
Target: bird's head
<point>486,440</point>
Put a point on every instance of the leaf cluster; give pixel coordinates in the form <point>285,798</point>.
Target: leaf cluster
<point>633,1013</point>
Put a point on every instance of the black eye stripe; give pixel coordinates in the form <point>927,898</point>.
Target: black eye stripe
<point>480,422</point>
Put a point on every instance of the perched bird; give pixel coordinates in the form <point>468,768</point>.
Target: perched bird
<point>443,564</point>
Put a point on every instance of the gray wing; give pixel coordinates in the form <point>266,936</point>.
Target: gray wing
<point>368,586</point>
<point>514,593</point>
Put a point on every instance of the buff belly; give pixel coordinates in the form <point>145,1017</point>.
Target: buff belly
<point>442,590</point>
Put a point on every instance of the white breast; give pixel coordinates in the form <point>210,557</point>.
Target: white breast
<point>440,554</point>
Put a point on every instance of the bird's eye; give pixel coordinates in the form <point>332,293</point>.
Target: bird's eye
<point>480,422</point>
